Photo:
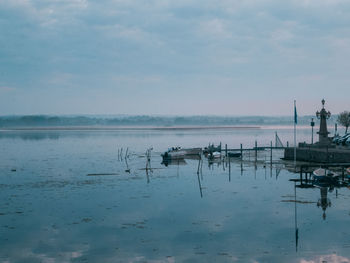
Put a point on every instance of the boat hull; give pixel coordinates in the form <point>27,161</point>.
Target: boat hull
<point>325,175</point>
<point>182,153</point>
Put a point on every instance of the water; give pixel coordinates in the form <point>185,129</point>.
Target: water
<point>52,211</point>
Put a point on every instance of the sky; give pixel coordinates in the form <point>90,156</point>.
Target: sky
<point>183,57</point>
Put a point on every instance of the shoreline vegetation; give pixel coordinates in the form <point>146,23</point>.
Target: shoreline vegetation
<point>117,128</point>
<point>120,122</point>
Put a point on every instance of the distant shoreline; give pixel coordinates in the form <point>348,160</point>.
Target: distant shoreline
<point>151,128</point>
<point>116,128</point>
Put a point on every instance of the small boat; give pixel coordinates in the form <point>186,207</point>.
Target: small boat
<point>233,155</point>
<point>179,153</point>
<point>211,148</point>
<point>214,155</point>
<point>322,174</point>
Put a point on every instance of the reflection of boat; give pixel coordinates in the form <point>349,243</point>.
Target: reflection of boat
<point>322,174</point>
<point>192,157</point>
<point>234,155</point>
<point>176,161</point>
<point>179,153</point>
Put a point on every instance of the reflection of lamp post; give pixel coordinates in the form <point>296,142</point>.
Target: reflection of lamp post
<point>324,202</point>
<point>312,130</point>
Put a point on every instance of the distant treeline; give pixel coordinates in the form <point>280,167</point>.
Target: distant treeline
<point>163,121</point>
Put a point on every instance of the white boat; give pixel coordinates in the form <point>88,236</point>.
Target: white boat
<point>215,155</point>
<point>178,153</point>
<point>322,174</point>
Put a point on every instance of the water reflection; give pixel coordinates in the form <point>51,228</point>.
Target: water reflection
<point>323,201</point>
<point>178,161</point>
<point>193,210</point>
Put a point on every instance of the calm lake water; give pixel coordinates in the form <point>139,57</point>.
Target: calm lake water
<point>56,206</point>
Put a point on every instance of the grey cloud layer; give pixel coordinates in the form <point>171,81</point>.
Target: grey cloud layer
<point>80,52</point>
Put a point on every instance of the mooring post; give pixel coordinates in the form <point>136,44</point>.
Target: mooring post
<point>229,169</point>
<point>287,144</point>
<point>199,164</point>
<point>301,174</point>
<point>226,150</point>
<point>342,173</point>
<point>256,150</point>
<point>306,180</point>
<point>241,151</point>
<point>271,152</point>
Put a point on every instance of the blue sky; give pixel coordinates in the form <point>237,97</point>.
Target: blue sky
<point>192,57</point>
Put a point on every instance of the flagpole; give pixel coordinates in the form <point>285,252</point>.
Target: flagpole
<point>295,134</point>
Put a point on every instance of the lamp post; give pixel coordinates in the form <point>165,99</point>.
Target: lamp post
<point>312,130</point>
<point>323,115</point>
<point>335,129</point>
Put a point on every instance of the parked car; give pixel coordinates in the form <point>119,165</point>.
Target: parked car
<point>347,142</point>
<point>343,139</point>
<point>336,139</point>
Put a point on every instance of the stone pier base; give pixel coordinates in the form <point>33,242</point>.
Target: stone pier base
<point>319,155</point>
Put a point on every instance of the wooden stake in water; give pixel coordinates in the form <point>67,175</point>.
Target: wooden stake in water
<point>199,164</point>
<point>229,169</point>
<point>126,153</point>
<point>271,153</point>
<point>295,134</point>
<point>241,151</point>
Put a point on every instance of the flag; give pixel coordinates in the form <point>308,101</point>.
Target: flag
<point>295,114</point>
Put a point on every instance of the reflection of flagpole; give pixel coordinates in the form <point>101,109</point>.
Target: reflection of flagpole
<point>295,219</point>
<point>295,133</point>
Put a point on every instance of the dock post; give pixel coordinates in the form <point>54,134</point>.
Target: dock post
<point>229,169</point>
<point>342,173</point>
<point>287,144</point>
<point>306,179</point>
<point>256,150</point>
<point>199,165</point>
<point>301,174</point>
<point>241,151</point>
<point>271,152</point>
<point>226,150</point>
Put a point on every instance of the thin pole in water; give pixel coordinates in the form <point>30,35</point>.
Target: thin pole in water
<point>295,134</point>
<point>271,153</point>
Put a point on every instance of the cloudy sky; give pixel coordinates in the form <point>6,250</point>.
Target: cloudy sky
<point>183,57</point>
